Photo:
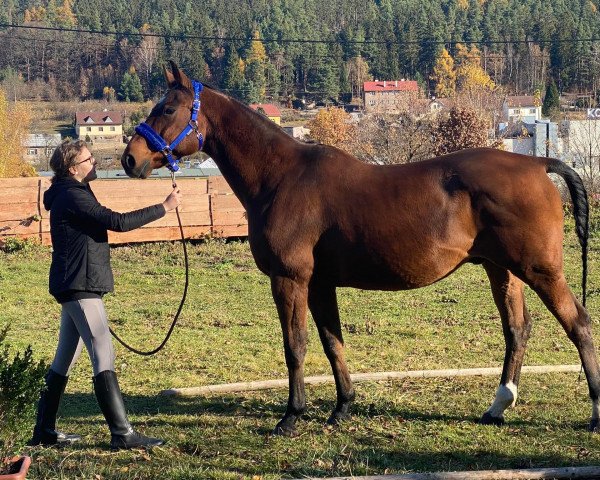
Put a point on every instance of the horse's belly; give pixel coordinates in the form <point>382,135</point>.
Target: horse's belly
<point>392,272</point>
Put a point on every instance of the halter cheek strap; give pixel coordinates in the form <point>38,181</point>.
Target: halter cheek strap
<point>158,143</point>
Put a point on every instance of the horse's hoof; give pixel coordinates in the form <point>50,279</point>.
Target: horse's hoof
<point>285,430</point>
<point>487,419</point>
<point>594,425</point>
<point>336,418</point>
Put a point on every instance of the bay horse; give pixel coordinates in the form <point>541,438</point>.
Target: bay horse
<point>318,219</point>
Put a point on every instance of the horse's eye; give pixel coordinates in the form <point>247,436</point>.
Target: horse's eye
<point>169,111</point>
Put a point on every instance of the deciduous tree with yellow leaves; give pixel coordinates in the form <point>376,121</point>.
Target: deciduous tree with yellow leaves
<point>444,75</point>
<point>14,125</point>
<point>331,126</point>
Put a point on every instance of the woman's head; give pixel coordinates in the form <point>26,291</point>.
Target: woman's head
<point>72,158</point>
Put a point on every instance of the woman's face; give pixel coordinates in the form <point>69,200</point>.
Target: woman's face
<point>84,168</point>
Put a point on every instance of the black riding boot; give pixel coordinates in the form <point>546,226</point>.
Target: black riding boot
<point>44,432</point>
<point>110,400</point>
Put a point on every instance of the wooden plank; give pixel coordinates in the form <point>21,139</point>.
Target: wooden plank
<point>17,211</point>
<point>188,219</point>
<point>192,203</point>
<point>26,194</point>
<point>20,182</point>
<point>547,473</point>
<point>227,211</point>
<point>218,184</point>
<point>226,202</point>
<point>228,218</point>
<point>365,377</point>
<point>225,231</point>
<point>124,188</point>
<point>157,234</point>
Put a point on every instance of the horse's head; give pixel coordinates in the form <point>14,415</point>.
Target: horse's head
<point>171,116</point>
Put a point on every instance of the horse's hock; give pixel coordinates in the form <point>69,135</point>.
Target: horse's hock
<point>209,208</point>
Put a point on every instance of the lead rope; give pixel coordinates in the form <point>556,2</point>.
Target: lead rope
<point>185,288</point>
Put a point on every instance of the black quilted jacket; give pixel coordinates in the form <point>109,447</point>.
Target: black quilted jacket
<point>78,227</point>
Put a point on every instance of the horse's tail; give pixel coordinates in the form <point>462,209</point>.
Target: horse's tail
<point>581,211</point>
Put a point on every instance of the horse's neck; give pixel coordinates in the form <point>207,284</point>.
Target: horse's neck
<point>244,146</point>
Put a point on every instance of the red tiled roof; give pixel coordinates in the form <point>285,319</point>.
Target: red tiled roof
<point>98,118</point>
<point>269,109</point>
<point>521,101</point>
<point>391,86</point>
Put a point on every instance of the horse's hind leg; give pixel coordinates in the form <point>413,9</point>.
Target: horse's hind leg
<point>555,293</point>
<point>322,302</point>
<point>516,325</point>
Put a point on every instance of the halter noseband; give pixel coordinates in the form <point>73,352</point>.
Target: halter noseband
<point>156,142</point>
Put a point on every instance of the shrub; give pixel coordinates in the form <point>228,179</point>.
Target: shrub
<point>16,244</point>
<point>21,380</point>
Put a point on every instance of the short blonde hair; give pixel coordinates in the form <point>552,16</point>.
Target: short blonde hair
<point>64,157</point>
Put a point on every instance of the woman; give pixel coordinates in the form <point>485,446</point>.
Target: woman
<point>80,274</point>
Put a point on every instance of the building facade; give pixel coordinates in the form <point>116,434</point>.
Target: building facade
<point>106,126</point>
<point>389,96</point>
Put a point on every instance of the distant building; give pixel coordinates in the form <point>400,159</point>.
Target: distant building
<point>300,133</point>
<point>106,126</point>
<point>521,108</point>
<point>582,141</point>
<point>269,110</point>
<point>430,106</point>
<point>539,138</point>
<point>389,96</point>
<point>40,146</point>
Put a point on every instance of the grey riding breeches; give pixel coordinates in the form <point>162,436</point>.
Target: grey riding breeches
<point>84,322</point>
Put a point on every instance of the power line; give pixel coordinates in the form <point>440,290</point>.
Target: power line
<point>183,36</point>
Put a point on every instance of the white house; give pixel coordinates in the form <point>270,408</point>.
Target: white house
<point>521,108</point>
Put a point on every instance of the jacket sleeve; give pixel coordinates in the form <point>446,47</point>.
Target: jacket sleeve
<point>85,206</point>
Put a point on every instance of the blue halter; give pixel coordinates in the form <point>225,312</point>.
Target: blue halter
<point>156,142</point>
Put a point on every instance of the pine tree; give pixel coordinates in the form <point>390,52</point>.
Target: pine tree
<point>551,105</point>
<point>131,87</point>
<point>233,75</point>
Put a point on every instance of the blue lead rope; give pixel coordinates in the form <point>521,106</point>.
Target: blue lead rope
<point>158,143</point>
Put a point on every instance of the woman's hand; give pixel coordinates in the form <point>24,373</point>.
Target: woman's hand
<point>173,200</point>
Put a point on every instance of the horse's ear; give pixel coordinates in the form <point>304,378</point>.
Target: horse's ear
<point>180,77</point>
<point>169,76</point>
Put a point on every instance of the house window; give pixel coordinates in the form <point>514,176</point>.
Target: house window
<point>88,129</point>
<point>371,102</point>
<point>32,151</point>
<point>532,110</point>
<point>100,129</point>
<point>112,129</point>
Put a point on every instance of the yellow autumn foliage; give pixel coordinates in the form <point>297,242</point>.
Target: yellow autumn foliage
<point>331,126</point>
<point>14,125</point>
<point>444,75</point>
<point>470,76</point>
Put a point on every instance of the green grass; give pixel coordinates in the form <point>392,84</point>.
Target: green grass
<point>229,332</point>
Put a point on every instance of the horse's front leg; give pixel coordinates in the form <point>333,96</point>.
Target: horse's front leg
<point>291,300</point>
<point>322,301</point>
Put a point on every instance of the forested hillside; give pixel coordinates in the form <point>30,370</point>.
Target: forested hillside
<point>323,50</point>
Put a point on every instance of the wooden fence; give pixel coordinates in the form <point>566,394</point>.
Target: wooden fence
<point>208,208</point>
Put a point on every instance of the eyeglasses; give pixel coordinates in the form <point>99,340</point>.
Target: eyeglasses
<point>90,159</point>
